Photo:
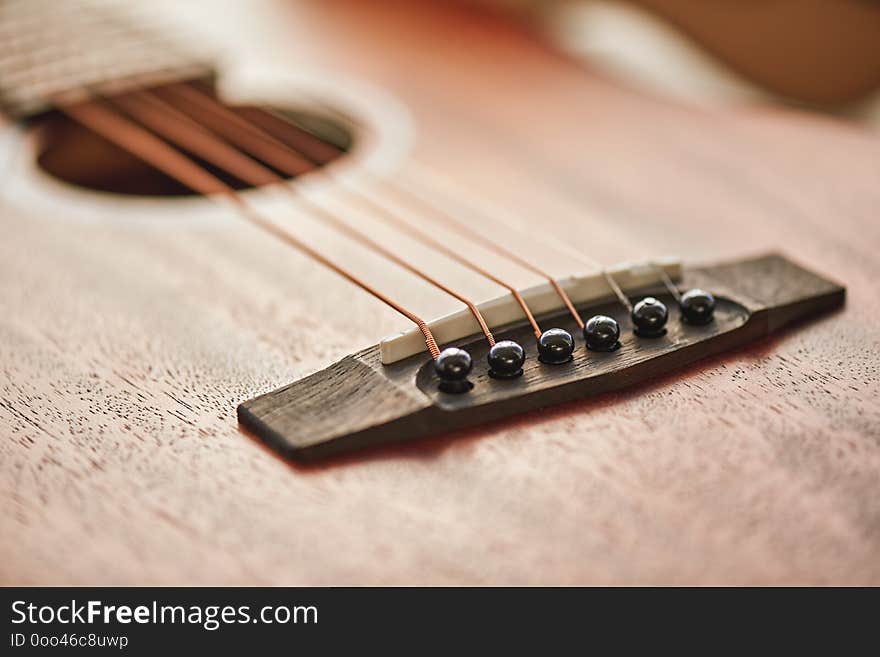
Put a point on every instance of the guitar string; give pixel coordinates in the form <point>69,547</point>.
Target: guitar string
<point>305,141</point>
<point>167,121</point>
<point>319,152</point>
<point>673,290</point>
<point>494,214</point>
<point>392,217</point>
<point>308,140</point>
<point>209,110</point>
<point>229,124</point>
<point>463,229</point>
<point>114,127</point>
<point>143,104</point>
<point>201,95</point>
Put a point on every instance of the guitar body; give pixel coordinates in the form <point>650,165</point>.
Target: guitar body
<point>132,327</point>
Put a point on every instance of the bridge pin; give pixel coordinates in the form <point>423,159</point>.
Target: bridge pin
<point>506,359</point>
<point>453,366</point>
<point>697,306</point>
<point>649,318</point>
<point>555,346</point>
<point>602,333</point>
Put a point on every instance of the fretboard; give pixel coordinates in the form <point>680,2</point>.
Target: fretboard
<point>54,49</point>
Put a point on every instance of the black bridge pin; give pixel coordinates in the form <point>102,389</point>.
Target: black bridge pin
<point>506,359</point>
<point>697,306</point>
<point>555,346</point>
<point>648,315</point>
<point>453,366</point>
<point>649,318</point>
<point>602,333</point>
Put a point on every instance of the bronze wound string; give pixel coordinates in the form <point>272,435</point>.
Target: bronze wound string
<point>427,178</point>
<point>601,333</point>
<point>230,125</point>
<point>108,123</point>
<point>167,121</point>
<point>308,144</point>
<point>463,229</point>
<point>319,152</point>
<point>393,218</point>
<point>649,315</point>
<point>221,120</point>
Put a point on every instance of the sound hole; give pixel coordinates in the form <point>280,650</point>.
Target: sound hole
<point>74,154</point>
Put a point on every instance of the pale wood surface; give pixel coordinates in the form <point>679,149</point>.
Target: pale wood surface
<point>126,345</point>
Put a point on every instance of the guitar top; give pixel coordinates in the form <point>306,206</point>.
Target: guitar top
<point>154,341</point>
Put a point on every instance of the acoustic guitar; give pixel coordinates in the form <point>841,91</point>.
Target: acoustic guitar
<point>400,294</point>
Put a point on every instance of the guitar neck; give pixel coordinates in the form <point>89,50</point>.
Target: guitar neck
<point>61,51</point>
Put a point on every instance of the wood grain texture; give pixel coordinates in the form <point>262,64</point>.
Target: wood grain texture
<point>126,345</point>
